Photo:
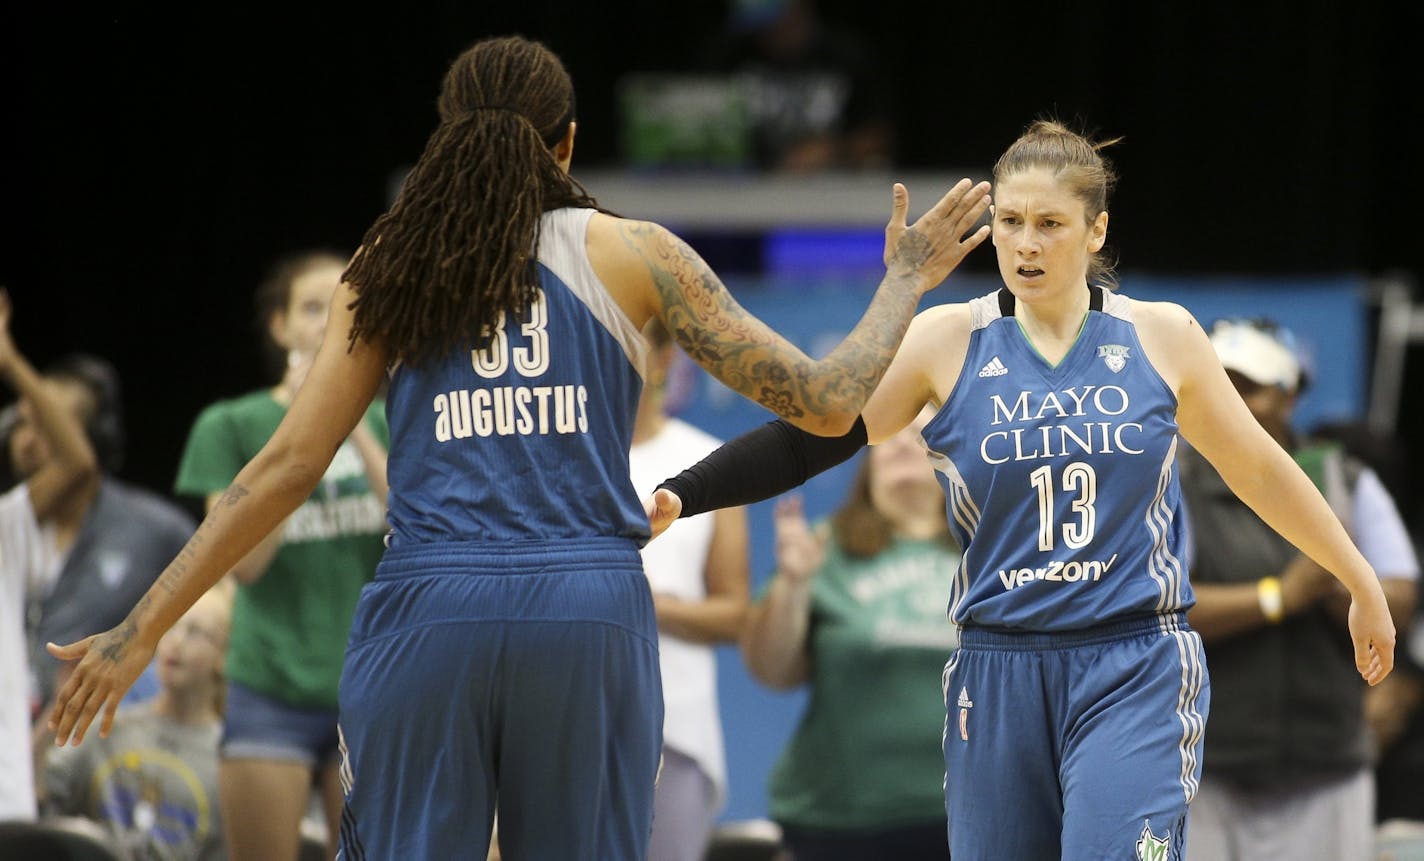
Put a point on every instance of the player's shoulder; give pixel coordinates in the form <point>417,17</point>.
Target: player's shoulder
<point>622,249</point>
<point>607,224</point>
<point>938,328</point>
<point>942,320</point>
<point>1165,323</point>
<point>1158,312</point>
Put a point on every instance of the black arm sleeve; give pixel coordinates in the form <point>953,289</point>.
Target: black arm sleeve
<point>760,464</point>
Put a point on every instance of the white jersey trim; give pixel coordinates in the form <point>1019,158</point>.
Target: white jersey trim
<point>983,311</point>
<point>563,249</point>
<point>1116,306</point>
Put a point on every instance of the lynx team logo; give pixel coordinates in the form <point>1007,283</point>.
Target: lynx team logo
<point>1114,355</point>
<point>1150,848</point>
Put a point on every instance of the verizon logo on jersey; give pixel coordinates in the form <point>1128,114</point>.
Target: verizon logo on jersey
<point>1057,572</point>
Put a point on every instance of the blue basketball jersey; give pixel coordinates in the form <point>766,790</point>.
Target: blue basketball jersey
<point>527,438</point>
<point>1060,481</point>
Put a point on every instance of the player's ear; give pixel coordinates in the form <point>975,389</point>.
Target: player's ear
<point>1098,233</point>
<point>564,149</point>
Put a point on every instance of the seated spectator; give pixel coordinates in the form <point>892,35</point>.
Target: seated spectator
<point>153,780</point>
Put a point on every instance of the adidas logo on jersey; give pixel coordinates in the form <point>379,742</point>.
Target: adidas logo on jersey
<point>995,368</point>
<point>964,701</point>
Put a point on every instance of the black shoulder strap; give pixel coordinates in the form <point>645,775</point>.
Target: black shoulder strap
<point>1007,304</point>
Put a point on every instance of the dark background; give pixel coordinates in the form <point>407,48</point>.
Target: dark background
<point>156,162</point>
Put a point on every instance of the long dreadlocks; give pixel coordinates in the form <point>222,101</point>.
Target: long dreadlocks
<point>457,249</point>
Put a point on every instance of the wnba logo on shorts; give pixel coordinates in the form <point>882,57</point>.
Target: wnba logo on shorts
<point>965,704</point>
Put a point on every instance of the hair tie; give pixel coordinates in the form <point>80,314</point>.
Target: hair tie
<point>554,136</point>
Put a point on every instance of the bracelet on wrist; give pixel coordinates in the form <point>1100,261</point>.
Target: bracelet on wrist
<point>1268,593</point>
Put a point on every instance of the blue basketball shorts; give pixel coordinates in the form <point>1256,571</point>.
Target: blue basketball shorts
<point>1080,746</point>
<point>520,677</point>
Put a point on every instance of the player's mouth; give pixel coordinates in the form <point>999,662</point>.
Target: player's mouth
<point>1030,272</point>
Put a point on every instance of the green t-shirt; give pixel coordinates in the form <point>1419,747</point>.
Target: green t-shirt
<point>289,628</point>
<point>868,753</point>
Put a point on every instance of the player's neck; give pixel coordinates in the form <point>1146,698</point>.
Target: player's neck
<point>1052,326</point>
<point>1058,317</point>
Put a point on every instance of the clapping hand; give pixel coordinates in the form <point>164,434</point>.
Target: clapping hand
<point>799,551</point>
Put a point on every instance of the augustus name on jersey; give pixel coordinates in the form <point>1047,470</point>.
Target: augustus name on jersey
<point>519,437</point>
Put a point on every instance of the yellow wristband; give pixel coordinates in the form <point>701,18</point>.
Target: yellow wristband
<point>1268,592</point>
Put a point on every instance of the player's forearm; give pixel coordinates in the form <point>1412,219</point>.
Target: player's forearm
<point>251,567</point>
<point>258,500</point>
<point>844,380</point>
<point>822,397</point>
<point>1286,499</point>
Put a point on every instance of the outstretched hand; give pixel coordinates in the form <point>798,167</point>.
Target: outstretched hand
<point>108,664</point>
<point>936,243</point>
<point>662,508</point>
<point>1372,632</point>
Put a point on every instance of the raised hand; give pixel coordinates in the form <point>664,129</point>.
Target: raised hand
<point>799,552</point>
<point>936,243</point>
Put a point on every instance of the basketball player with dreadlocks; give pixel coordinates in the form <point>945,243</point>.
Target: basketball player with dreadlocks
<point>507,649</point>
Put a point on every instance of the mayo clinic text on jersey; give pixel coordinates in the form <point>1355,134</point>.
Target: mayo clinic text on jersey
<point>1061,440</point>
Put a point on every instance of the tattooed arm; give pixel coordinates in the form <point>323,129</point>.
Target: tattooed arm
<point>338,390</point>
<point>822,397</point>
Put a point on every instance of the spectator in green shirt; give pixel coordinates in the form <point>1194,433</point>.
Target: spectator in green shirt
<point>296,590</point>
<point>856,611</point>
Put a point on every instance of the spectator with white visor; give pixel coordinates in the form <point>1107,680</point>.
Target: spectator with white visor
<point>1287,768</point>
